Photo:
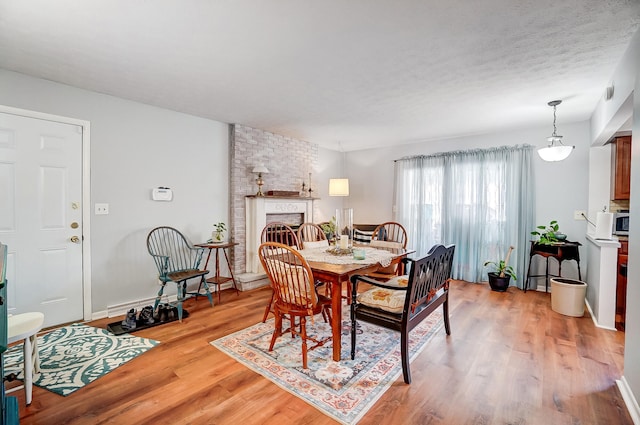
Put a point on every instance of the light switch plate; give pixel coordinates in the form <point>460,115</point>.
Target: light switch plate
<point>102,209</point>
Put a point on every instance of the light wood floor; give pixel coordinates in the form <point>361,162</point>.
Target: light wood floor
<point>509,360</point>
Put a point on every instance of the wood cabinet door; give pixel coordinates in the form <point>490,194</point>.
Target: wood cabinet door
<point>622,177</point>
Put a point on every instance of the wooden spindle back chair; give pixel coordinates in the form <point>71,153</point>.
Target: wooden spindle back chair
<point>294,293</point>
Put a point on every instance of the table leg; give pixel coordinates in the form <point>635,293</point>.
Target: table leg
<point>526,282</point>
<point>336,317</point>
<point>233,278</point>
<point>546,278</point>
<point>218,273</point>
<point>579,274</point>
<point>206,263</point>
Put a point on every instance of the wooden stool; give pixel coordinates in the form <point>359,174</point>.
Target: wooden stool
<point>25,326</point>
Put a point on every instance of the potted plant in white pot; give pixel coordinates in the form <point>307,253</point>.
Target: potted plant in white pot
<point>217,236</point>
<point>502,273</point>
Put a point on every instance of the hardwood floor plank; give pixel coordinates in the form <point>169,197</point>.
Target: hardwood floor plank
<point>509,360</point>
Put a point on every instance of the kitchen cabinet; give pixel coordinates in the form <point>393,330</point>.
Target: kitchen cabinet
<point>621,285</point>
<point>621,166</point>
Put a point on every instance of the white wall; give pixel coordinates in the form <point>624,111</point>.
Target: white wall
<point>600,173</point>
<point>330,165</point>
<point>136,147</point>
<point>632,334</point>
<point>610,115</point>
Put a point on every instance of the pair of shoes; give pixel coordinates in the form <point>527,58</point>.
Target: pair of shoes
<point>146,316</point>
<point>172,313</point>
<point>162,313</point>
<point>129,321</point>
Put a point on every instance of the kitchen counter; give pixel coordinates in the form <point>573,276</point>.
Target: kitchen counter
<point>602,258</point>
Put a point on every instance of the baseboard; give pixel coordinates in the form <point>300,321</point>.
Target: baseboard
<point>629,400</point>
<point>249,281</point>
<point>245,282</point>
<point>595,321</point>
<point>121,309</point>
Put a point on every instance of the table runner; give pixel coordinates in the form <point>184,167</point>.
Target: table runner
<point>372,256</point>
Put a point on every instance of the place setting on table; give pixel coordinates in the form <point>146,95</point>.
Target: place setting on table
<point>362,254</point>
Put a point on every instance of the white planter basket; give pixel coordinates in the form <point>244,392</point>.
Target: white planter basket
<point>567,296</point>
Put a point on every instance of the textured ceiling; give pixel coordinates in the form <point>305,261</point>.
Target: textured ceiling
<point>347,74</point>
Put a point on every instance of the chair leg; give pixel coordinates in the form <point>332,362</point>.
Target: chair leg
<point>303,334</point>
<point>353,333</point>
<point>326,314</point>
<point>182,289</point>
<point>268,308</point>
<point>277,331</point>
<point>204,283</point>
<point>445,314</point>
<point>158,297</point>
<point>404,351</point>
<point>28,369</point>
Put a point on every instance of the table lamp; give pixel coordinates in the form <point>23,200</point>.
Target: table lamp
<point>259,169</point>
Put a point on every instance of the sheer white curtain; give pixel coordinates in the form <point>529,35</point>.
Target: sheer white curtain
<point>480,200</point>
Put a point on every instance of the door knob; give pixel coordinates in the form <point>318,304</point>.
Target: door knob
<point>75,239</point>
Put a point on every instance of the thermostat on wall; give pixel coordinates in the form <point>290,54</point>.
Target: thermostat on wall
<point>161,194</point>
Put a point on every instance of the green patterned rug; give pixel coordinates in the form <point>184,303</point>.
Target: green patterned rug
<point>76,355</point>
<point>343,390</point>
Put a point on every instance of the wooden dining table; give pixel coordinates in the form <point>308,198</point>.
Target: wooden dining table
<point>336,275</point>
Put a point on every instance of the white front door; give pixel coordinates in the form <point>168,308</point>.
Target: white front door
<point>41,216</point>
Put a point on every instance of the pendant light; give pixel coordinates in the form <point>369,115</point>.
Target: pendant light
<point>555,151</point>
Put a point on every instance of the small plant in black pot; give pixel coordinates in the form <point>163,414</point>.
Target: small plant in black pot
<point>502,273</point>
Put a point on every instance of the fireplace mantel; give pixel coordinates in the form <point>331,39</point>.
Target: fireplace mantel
<point>257,209</point>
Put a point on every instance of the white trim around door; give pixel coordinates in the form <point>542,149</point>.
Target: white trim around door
<point>86,194</point>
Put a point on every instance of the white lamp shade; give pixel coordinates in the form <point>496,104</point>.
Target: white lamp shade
<point>555,153</point>
<point>338,187</point>
<point>260,168</point>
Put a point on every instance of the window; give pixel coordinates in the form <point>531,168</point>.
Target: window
<point>480,200</point>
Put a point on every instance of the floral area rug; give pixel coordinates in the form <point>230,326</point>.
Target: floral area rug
<point>76,355</point>
<point>343,390</point>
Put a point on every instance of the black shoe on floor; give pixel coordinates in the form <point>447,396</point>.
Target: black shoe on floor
<point>162,313</point>
<point>129,321</point>
<point>146,316</point>
<point>172,313</point>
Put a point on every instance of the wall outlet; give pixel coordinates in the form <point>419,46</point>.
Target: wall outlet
<point>579,215</point>
<point>102,209</point>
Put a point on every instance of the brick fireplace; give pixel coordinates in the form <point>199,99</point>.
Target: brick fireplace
<point>289,161</point>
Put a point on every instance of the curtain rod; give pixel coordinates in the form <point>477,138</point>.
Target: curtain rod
<point>458,152</point>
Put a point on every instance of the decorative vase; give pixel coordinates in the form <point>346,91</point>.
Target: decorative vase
<point>344,228</point>
<point>217,236</point>
<point>497,283</point>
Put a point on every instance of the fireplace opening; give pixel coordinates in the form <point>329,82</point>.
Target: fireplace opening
<point>292,220</point>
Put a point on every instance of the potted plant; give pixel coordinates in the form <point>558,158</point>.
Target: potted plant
<point>329,228</point>
<point>218,232</point>
<point>548,235</point>
<point>502,273</point>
